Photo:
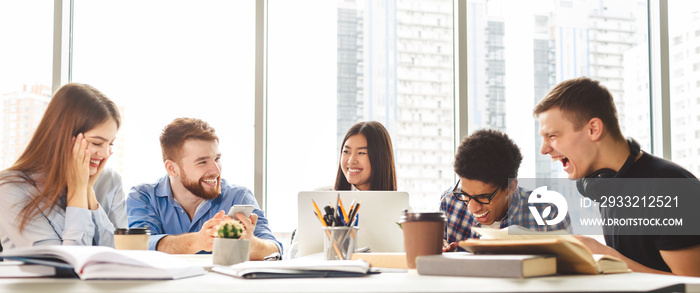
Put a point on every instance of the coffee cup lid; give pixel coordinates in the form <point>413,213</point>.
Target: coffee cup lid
<point>132,231</point>
<point>431,216</point>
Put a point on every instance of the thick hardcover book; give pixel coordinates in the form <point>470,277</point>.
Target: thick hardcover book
<point>99,262</point>
<point>486,265</point>
<point>573,257</point>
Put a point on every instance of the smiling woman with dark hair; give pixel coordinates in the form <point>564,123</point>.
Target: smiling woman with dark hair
<point>58,191</point>
<point>485,196</point>
<point>366,159</point>
<point>366,163</point>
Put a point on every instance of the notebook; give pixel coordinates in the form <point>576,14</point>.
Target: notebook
<point>296,269</point>
<point>378,214</point>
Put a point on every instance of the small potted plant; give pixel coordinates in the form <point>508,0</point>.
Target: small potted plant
<point>228,248</point>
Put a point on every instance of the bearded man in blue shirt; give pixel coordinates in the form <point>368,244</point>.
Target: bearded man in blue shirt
<point>487,194</point>
<point>183,208</point>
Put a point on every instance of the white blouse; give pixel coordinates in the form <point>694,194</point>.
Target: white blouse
<point>62,225</point>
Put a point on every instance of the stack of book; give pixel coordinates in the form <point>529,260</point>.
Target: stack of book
<point>519,254</point>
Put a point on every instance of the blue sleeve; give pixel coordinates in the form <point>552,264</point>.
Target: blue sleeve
<point>262,227</point>
<point>142,213</point>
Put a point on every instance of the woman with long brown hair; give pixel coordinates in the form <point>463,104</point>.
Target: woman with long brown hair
<point>58,192</point>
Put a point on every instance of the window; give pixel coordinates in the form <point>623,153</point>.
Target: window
<point>684,21</point>
<point>196,61</point>
<point>677,40</point>
<point>25,73</point>
<point>520,52</point>
<point>341,62</point>
<point>395,78</point>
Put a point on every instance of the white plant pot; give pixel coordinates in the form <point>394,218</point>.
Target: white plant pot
<point>228,251</point>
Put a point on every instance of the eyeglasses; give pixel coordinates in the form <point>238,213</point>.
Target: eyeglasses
<point>480,198</point>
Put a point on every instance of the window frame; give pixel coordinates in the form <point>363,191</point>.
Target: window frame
<point>659,77</point>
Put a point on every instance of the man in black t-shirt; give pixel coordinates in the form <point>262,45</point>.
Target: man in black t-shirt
<point>578,123</point>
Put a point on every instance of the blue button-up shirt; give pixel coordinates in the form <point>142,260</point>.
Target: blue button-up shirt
<point>153,206</point>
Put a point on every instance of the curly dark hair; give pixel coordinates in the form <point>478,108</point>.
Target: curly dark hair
<point>488,156</point>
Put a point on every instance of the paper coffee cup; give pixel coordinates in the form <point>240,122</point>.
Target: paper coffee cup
<point>132,238</point>
<point>422,234</point>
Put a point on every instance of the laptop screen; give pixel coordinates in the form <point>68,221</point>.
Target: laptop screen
<point>378,213</point>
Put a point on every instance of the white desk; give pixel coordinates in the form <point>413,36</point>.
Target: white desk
<point>385,282</point>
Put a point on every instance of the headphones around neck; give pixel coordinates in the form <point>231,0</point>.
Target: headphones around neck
<point>587,185</point>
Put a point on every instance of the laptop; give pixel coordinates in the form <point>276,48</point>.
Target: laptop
<point>378,214</point>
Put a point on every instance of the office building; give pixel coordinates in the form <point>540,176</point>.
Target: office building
<point>350,70</point>
<point>402,65</point>
<point>21,113</point>
<point>684,64</point>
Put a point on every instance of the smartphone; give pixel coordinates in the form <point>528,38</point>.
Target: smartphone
<point>245,209</point>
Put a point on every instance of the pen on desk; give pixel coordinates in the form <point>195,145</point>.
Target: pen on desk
<point>342,208</point>
<point>339,221</point>
<point>317,212</point>
<point>354,214</point>
<point>329,215</point>
<point>335,213</point>
<point>341,217</point>
<point>352,208</point>
<point>337,201</point>
<point>351,212</point>
<point>323,222</point>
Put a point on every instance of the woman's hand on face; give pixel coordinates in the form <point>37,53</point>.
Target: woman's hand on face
<point>78,173</point>
<point>80,167</point>
<point>93,178</point>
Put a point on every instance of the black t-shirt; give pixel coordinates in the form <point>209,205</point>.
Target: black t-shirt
<point>644,249</point>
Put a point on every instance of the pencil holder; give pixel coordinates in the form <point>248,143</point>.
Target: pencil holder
<point>339,242</point>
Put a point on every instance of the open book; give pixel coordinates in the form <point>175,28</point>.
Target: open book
<point>573,257</point>
<point>296,269</point>
<point>99,262</point>
<point>20,269</point>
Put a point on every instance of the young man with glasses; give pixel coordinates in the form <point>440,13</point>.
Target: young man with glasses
<point>484,196</point>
